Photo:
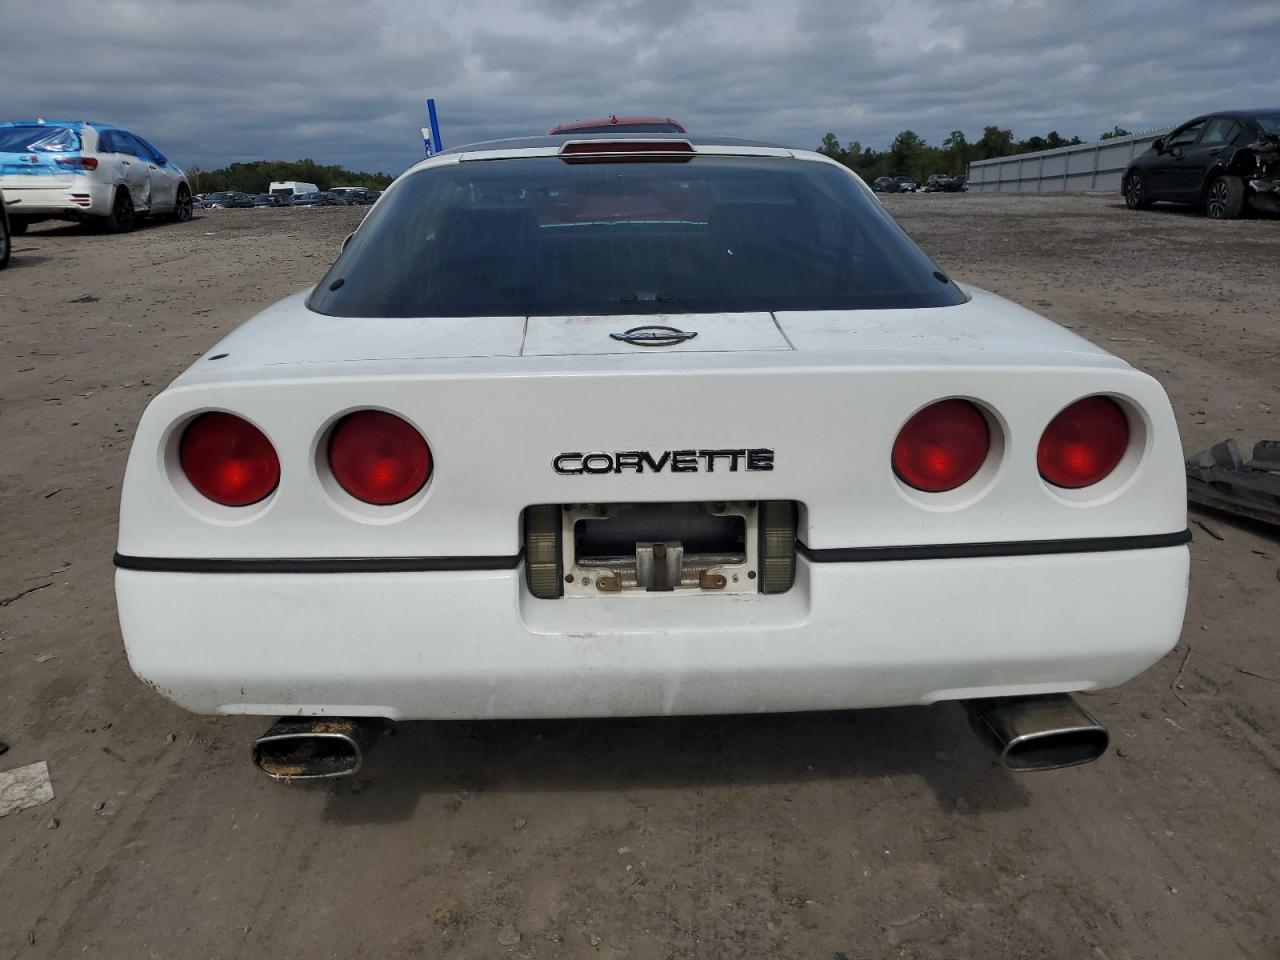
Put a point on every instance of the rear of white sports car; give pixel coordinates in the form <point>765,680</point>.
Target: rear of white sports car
<point>617,427</point>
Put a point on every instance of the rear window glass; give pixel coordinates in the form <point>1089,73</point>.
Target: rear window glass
<point>38,139</point>
<point>539,236</point>
<point>1269,122</point>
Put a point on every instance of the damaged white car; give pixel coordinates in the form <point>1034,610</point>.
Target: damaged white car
<point>640,425</point>
<point>87,172</point>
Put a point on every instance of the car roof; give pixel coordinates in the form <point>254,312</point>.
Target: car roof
<point>77,124</point>
<point>613,120</point>
<point>1237,114</point>
<point>523,143</point>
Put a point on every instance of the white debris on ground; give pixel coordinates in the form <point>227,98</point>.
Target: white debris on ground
<point>24,787</point>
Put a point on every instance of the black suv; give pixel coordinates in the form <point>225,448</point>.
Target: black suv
<point>270,200</point>
<point>228,198</point>
<point>360,196</point>
<point>1222,162</point>
<point>945,183</point>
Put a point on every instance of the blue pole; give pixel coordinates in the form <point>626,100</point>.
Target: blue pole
<point>436,145</point>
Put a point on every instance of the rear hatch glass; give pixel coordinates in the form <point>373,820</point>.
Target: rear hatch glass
<point>537,236</point>
<point>29,156</point>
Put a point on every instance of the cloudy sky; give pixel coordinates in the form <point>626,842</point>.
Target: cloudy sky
<point>222,80</point>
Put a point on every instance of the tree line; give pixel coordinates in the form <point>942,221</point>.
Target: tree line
<point>254,177</point>
<point>910,155</point>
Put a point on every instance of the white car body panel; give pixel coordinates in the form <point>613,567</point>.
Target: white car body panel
<point>497,398</point>
<point>473,497</point>
<point>455,645</point>
<point>717,333</point>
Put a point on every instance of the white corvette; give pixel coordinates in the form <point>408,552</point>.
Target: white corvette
<point>625,425</point>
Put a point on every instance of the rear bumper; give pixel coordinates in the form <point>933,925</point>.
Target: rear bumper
<point>82,197</point>
<point>473,643</point>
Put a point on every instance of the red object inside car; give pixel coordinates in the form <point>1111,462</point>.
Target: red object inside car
<point>616,124</point>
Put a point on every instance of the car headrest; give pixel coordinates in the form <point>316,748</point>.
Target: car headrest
<point>505,232</point>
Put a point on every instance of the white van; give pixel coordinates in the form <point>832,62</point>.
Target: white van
<point>290,188</point>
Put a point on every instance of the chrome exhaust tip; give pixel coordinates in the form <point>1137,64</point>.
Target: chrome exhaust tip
<point>1038,733</point>
<point>315,748</point>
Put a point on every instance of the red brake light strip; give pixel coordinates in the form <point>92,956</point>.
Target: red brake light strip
<point>604,150</point>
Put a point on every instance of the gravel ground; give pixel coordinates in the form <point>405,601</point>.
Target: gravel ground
<point>855,835</point>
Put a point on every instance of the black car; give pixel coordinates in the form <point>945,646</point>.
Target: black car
<point>270,200</point>
<point>321,199</point>
<point>228,198</point>
<point>359,196</point>
<point>1223,162</point>
<point>943,183</point>
<point>884,185</point>
<point>907,184</point>
<point>6,240</point>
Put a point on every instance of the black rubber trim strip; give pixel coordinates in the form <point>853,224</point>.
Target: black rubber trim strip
<point>1014,548</point>
<point>946,551</point>
<point>313,564</point>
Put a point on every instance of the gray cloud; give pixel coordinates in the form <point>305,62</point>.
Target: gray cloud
<point>224,80</point>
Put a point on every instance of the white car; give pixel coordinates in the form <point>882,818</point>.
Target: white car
<point>77,170</point>
<point>637,426</point>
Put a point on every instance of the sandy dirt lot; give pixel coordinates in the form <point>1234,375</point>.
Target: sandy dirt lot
<point>849,835</point>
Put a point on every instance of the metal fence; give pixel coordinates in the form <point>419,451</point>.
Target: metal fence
<point>1085,166</point>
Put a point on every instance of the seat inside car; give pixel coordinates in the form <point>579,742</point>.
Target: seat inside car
<point>495,249</point>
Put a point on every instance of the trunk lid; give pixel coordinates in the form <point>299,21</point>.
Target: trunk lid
<point>681,333</point>
<point>986,330</point>
<point>27,160</point>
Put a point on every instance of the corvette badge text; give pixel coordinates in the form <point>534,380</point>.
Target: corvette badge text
<point>672,461</point>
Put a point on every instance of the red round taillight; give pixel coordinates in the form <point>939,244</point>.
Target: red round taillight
<point>228,459</point>
<point>942,446</point>
<point>378,458</point>
<point>1083,443</point>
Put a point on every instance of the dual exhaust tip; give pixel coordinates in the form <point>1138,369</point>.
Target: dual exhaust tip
<point>1027,733</point>
<point>1038,733</point>
<point>316,748</point>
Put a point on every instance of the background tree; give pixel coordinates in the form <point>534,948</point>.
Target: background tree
<point>955,153</point>
<point>910,155</point>
<point>831,147</point>
<point>256,176</point>
<point>1054,140</point>
<point>906,153</point>
<point>994,143</point>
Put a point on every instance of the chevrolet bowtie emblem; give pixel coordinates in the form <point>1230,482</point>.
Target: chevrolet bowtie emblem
<point>654,335</point>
